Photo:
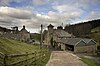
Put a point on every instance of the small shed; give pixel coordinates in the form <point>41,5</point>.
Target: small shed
<point>78,45</point>
<point>89,47</point>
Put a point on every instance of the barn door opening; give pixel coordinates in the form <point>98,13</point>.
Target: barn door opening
<point>70,47</point>
<point>52,43</point>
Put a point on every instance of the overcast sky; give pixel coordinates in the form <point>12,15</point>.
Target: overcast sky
<point>33,13</point>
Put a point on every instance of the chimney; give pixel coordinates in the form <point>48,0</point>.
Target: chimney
<point>60,27</point>
<point>23,26</point>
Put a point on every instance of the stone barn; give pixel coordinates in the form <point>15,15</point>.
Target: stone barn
<point>78,45</point>
<point>53,34</point>
<point>60,39</point>
<point>24,35</point>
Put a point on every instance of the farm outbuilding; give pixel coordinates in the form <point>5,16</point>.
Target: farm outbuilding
<point>78,45</point>
<point>60,39</point>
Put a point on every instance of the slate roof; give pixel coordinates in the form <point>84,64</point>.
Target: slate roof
<point>62,33</point>
<point>24,30</point>
<point>73,41</point>
<point>87,40</point>
<point>69,41</point>
<point>4,29</point>
<point>50,25</point>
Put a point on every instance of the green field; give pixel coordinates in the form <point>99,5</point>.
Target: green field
<point>9,46</point>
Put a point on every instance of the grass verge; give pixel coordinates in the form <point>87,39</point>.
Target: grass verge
<point>90,62</point>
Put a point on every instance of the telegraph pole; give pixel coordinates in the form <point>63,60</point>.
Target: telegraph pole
<point>41,36</point>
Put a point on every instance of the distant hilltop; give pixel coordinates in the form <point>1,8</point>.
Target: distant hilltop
<point>82,28</point>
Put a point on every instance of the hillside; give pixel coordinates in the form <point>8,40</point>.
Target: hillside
<point>82,28</point>
<point>96,34</point>
<point>35,36</point>
<point>9,46</point>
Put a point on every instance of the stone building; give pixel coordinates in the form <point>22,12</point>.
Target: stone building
<point>24,35</point>
<point>60,39</point>
<point>78,45</point>
<point>53,34</point>
<point>5,32</point>
<point>14,33</point>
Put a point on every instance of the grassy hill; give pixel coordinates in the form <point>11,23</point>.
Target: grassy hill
<point>35,36</point>
<point>9,46</point>
<point>95,34</point>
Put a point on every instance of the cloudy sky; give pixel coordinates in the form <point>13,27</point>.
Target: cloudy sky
<point>33,13</point>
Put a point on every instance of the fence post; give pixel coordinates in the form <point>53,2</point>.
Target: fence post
<point>5,60</point>
<point>40,54</point>
<point>26,58</point>
<point>35,58</point>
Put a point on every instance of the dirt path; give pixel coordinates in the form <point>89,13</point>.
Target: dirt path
<point>62,58</point>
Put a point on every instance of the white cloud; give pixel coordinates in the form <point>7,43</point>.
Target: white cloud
<point>93,15</point>
<point>95,2</point>
<point>17,17</point>
<point>67,8</point>
<point>63,11</point>
<point>14,16</point>
<point>85,4</point>
<point>43,16</point>
<point>39,2</point>
<point>67,12</point>
<point>15,12</point>
<point>4,2</point>
<point>7,2</point>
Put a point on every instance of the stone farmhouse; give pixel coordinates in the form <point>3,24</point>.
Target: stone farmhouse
<point>22,35</point>
<point>60,39</point>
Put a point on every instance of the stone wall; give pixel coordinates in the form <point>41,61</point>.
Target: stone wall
<point>63,47</point>
<point>24,37</point>
<point>85,49</point>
